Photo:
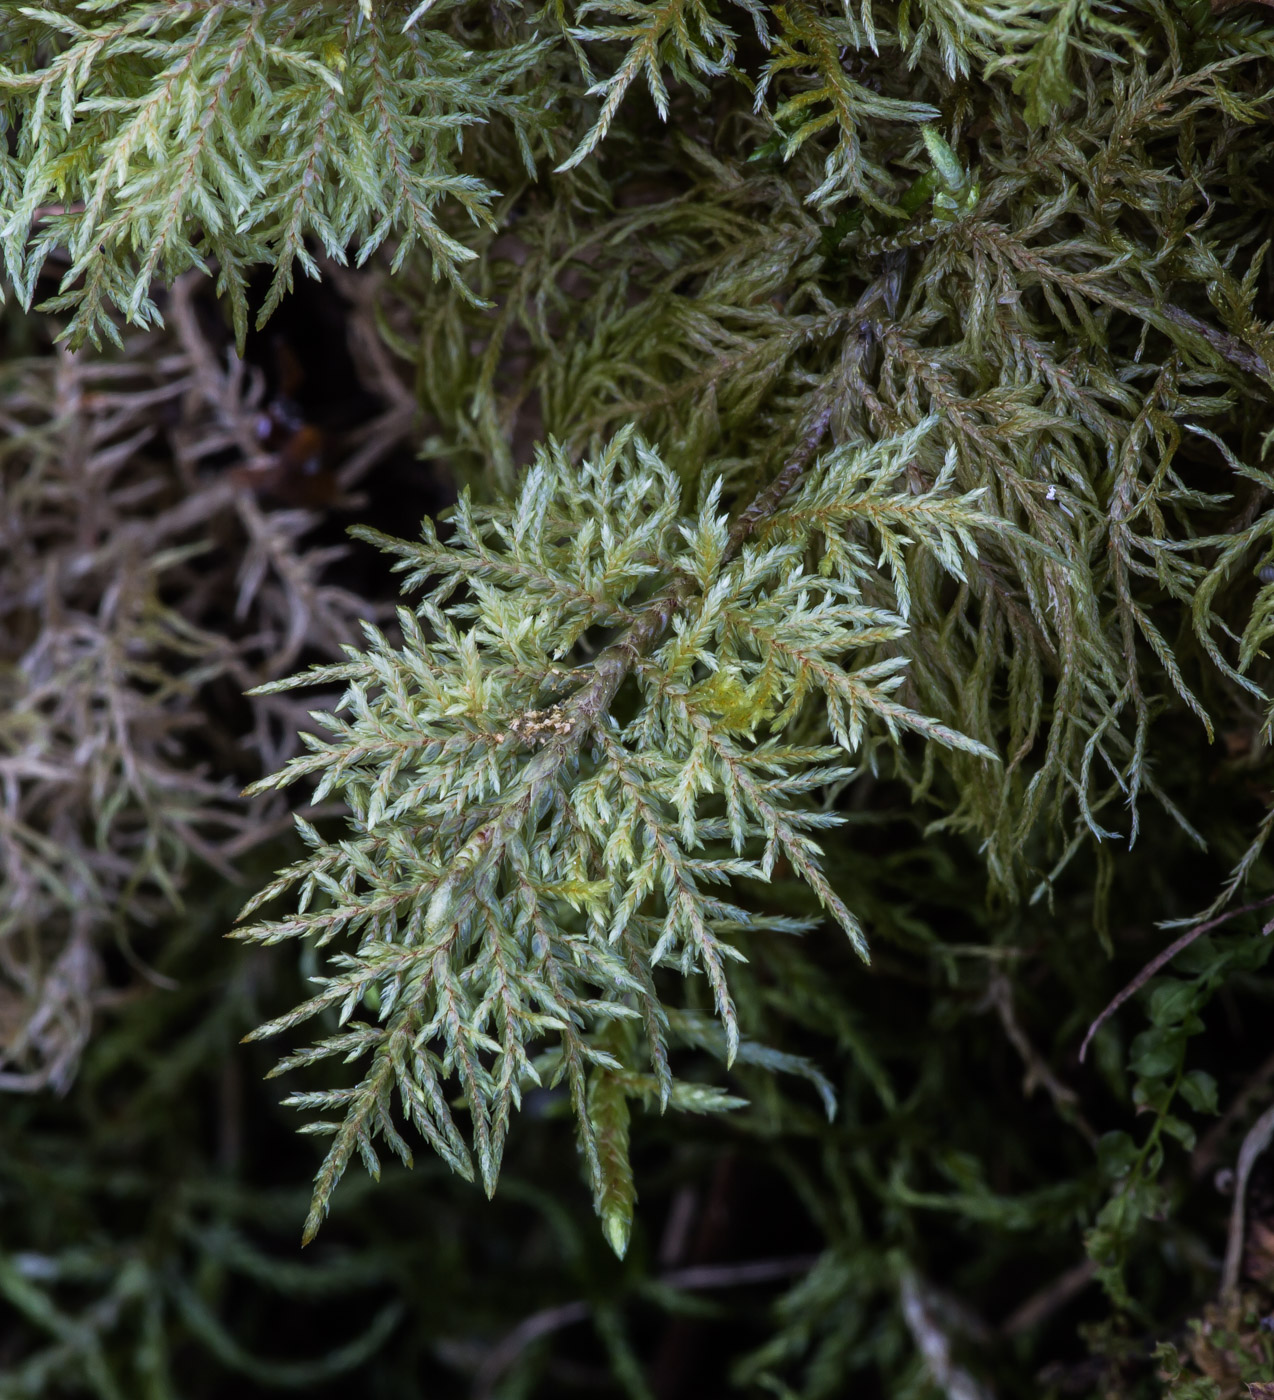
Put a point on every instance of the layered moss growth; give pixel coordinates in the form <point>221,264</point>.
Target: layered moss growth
<point>841,679</point>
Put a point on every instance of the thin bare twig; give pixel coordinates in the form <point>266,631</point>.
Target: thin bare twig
<point>1038,1073</point>
<point>514,1343</point>
<point>1205,1156</point>
<point>1164,958</point>
<point>738,1275</point>
<point>548,1320</point>
<point>934,1344</point>
<point>1258,1139</point>
<point>1039,1307</point>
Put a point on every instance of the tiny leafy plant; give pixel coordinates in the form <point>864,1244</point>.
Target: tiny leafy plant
<point>539,827</point>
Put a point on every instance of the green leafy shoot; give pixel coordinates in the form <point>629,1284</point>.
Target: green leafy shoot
<point>538,828</point>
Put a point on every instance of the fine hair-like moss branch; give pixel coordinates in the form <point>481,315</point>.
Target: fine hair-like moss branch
<point>516,875</point>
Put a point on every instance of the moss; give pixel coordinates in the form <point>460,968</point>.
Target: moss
<point>860,414</point>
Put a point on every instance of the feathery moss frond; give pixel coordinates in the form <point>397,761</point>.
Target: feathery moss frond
<point>156,137</point>
<point>531,840</point>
